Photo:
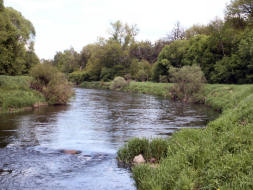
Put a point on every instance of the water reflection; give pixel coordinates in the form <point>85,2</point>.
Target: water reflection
<point>96,122</point>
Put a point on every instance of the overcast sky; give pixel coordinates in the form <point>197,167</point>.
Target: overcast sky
<point>61,24</point>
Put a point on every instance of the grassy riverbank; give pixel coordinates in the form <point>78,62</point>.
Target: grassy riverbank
<point>158,89</point>
<point>218,156</point>
<point>16,95</point>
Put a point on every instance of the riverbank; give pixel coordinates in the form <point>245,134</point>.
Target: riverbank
<point>158,89</point>
<point>218,156</point>
<point>16,95</point>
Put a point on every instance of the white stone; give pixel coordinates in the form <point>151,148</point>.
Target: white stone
<point>139,159</point>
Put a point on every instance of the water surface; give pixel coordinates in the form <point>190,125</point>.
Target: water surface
<point>96,122</point>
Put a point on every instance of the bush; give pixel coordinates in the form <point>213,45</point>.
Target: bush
<point>51,83</point>
<point>118,83</point>
<point>188,81</point>
<point>78,77</point>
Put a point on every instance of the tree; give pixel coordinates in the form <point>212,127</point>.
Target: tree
<point>140,70</point>
<point>123,33</point>
<point>17,33</point>
<point>177,33</point>
<point>174,52</point>
<point>67,61</point>
<point>1,5</point>
<point>31,59</point>
<point>196,30</point>
<point>240,9</point>
<point>160,70</point>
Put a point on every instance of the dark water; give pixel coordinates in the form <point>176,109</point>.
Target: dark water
<point>97,123</point>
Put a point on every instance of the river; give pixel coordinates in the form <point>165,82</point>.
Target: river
<point>95,122</point>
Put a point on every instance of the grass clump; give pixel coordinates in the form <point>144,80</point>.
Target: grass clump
<point>15,93</point>
<point>118,83</point>
<point>51,83</point>
<point>157,148</point>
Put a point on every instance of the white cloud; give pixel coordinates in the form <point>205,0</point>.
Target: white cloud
<point>61,24</point>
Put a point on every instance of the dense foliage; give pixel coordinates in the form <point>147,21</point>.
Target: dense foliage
<point>188,82</point>
<point>118,83</point>
<point>16,42</point>
<point>51,83</point>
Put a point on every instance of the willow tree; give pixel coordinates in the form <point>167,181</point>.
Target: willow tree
<point>16,41</point>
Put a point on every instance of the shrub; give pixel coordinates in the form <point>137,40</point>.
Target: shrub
<point>118,83</point>
<point>78,77</point>
<point>140,70</point>
<point>51,83</point>
<point>163,78</point>
<point>188,81</point>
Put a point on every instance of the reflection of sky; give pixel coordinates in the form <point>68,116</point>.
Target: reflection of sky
<point>64,23</point>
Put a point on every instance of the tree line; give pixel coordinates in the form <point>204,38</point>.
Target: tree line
<point>223,49</point>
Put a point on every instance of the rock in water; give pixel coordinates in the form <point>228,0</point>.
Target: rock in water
<point>139,159</point>
<point>70,151</point>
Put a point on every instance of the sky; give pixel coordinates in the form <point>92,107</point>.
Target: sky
<point>62,24</point>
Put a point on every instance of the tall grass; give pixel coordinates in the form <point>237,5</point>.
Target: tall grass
<point>15,93</point>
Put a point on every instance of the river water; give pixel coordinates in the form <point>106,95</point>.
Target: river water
<point>97,123</point>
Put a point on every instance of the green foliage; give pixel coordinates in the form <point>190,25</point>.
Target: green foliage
<point>118,83</point>
<point>15,93</point>
<point>188,81</point>
<point>78,77</point>
<point>51,83</point>
<point>140,70</point>
<point>16,33</point>
<point>96,85</point>
<point>156,148</point>
<point>67,61</point>
<point>174,53</point>
<point>160,70</point>
<point>133,148</point>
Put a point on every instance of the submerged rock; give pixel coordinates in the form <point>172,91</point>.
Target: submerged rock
<point>139,159</point>
<point>71,151</point>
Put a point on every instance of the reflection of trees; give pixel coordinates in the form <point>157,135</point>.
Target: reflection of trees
<point>21,129</point>
<point>125,115</point>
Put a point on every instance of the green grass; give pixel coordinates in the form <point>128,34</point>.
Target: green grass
<point>96,85</point>
<point>15,93</point>
<point>158,89</point>
<point>218,156</point>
